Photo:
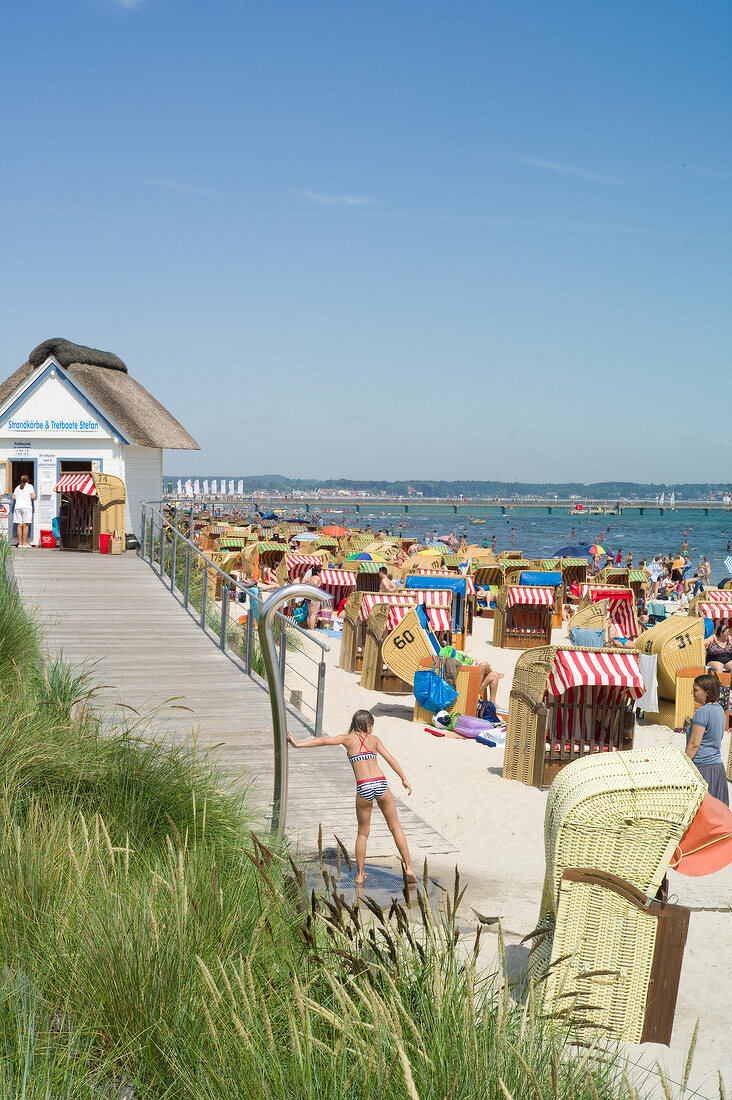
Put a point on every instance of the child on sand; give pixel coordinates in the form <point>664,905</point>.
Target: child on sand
<point>362,748</point>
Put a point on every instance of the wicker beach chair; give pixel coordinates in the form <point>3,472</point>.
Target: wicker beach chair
<point>616,815</point>
<point>613,574</point>
<point>563,707</point>
<point>458,587</point>
<point>511,555</point>
<point>604,604</point>
<point>638,584</point>
<point>470,599</point>
<point>349,637</point>
<point>574,571</point>
<point>494,575</point>
<point>677,642</point>
<point>375,675</point>
<point>523,617</point>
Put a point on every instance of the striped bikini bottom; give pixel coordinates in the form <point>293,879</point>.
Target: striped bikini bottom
<point>372,789</point>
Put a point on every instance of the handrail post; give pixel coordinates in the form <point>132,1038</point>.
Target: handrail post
<point>204,598</point>
<point>249,637</point>
<point>276,691</point>
<point>224,615</point>
<point>152,540</point>
<point>143,528</point>
<point>173,559</point>
<point>320,699</point>
<point>187,581</point>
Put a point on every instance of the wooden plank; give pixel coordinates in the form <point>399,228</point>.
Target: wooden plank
<point>116,618</point>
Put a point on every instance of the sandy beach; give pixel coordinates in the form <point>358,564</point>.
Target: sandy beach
<point>497,829</point>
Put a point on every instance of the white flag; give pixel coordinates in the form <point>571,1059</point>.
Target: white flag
<point>180,487</point>
<point>189,488</point>
<point>214,486</point>
<point>231,488</point>
<point>196,487</point>
<point>240,488</point>
<point>205,486</point>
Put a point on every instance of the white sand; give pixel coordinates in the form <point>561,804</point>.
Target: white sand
<point>497,828</point>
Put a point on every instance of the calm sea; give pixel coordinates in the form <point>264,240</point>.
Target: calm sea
<point>539,534</point>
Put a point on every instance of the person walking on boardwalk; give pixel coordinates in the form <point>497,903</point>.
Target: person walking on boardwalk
<point>363,749</point>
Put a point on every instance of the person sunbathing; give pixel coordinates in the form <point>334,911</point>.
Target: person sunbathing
<point>489,678</point>
<point>616,638</point>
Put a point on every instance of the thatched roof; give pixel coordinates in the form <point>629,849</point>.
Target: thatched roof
<point>104,377</point>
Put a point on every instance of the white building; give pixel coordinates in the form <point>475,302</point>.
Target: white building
<point>71,409</point>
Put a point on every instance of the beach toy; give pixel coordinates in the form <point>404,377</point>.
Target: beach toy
<point>434,732</point>
<point>468,726</point>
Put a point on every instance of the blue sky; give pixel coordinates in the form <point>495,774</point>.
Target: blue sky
<point>383,239</point>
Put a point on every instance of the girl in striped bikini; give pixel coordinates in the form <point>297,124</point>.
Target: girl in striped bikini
<point>362,748</point>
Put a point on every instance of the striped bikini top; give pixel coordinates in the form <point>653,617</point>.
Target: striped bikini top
<point>362,755</point>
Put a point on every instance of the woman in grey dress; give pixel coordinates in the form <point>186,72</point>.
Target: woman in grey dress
<point>704,736</point>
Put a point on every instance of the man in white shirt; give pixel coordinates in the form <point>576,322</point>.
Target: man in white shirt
<point>23,495</point>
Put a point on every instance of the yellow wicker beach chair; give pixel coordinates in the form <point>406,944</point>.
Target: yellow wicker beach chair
<point>511,555</point>
<point>406,646</point>
<point>349,637</point>
<point>564,707</point>
<point>591,617</point>
<point>614,814</point>
<point>493,575</point>
<point>375,675</point>
<point>523,617</point>
<point>638,584</point>
<point>613,574</point>
<point>677,642</point>
<point>618,607</point>
<point>574,571</point>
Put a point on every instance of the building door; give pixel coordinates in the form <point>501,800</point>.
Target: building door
<point>18,467</point>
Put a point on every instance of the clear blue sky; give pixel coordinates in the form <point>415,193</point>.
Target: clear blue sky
<point>384,239</point>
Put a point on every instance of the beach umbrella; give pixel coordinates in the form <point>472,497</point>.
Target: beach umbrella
<point>336,532</point>
<point>595,550</point>
<point>367,557</point>
<point>306,536</point>
<point>571,552</point>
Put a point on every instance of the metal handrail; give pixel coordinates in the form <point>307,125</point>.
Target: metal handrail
<point>267,614</point>
<point>231,581</point>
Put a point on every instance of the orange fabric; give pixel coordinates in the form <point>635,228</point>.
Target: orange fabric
<point>255,571</point>
<point>706,846</point>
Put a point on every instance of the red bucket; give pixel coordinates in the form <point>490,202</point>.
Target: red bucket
<point>104,541</point>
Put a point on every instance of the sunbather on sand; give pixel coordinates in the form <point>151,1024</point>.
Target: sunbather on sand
<point>488,677</point>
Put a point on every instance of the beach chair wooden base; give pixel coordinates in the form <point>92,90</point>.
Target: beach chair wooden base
<point>468,683</point>
<point>619,954</point>
<point>523,628</point>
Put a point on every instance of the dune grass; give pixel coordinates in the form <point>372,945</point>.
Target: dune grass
<point>152,947</point>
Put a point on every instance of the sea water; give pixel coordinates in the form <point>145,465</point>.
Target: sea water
<point>539,534</point>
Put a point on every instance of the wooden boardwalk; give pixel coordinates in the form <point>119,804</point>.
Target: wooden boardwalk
<point>113,616</point>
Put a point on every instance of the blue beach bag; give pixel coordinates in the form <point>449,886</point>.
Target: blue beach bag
<point>431,689</point>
